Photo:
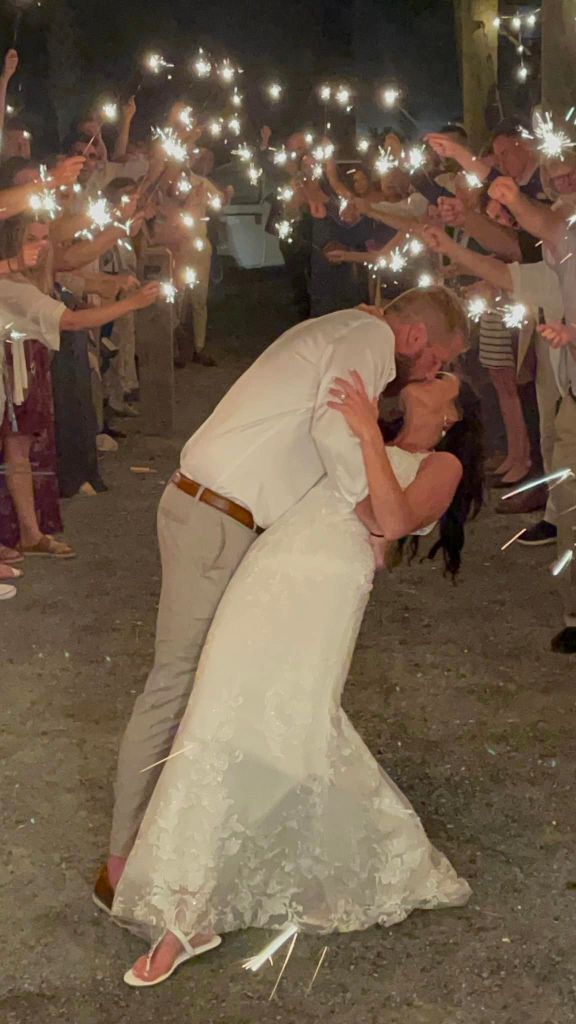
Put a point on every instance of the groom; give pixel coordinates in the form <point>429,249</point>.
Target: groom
<point>266,444</point>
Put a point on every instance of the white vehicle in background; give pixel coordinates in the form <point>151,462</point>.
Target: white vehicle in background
<point>242,234</point>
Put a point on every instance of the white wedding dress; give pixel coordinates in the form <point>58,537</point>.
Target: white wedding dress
<point>277,812</point>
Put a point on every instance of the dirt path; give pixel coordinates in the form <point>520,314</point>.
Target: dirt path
<point>454,690</point>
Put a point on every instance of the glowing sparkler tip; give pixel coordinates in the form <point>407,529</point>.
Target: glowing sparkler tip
<point>110,111</point>
<point>274,91</point>
<point>325,92</point>
<point>522,73</point>
<point>155,63</point>
<point>425,281</point>
<point>190,276</point>
<point>552,142</point>
<point>390,96</point>
<point>169,291</point>
<point>171,143</point>
<point>416,158</point>
<point>363,145</point>
<point>514,315</point>
<point>284,230</point>
<point>342,96</point>
<point>385,162</point>
<point>476,308</point>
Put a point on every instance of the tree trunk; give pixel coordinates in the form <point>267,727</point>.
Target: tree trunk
<point>558,55</point>
<point>478,45</point>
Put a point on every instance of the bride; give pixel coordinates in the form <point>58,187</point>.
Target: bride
<point>273,810</point>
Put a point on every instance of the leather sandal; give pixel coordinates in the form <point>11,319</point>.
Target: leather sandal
<point>48,547</point>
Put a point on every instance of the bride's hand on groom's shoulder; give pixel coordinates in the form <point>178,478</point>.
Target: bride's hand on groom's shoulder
<point>350,398</point>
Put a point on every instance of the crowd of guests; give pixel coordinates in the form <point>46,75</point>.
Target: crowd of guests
<point>73,225</point>
<point>494,225</point>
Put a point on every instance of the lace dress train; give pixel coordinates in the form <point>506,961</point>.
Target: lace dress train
<point>276,811</point>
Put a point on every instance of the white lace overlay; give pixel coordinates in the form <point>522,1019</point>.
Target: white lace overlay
<point>277,811</point>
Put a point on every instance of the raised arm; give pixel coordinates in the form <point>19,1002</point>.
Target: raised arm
<point>83,252</point>
<point>123,137</point>
<point>536,218</point>
<point>9,69</point>
<point>494,271</point>
<point>448,149</point>
<point>395,512</point>
<point>17,199</point>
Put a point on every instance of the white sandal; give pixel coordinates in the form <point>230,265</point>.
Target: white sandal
<point>188,953</point>
<point>7,591</point>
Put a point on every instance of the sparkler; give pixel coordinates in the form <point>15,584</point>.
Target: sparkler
<point>284,966</point>
<point>215,129</point>
<point>415,158</point>
<point>476,308</point>
<point>516,23</point>
<point>256,962</point>
<point>185,117</point>
<point>226,71</point>
<point>246,154</point>
<point>199,244</point>
<point>172,144</point>
<point>45,202</point>
<point>254,174</point>
<point>325,93</point>
<point>472,180</point>
<point>522,73</point>
<point>415,246</point>
<point>183,185</point>
<point>169,292</point>
<point>317,971</point>
<point>190,276</point>
<point>236,99</point>
<point>390,96</point>
<point>397,261</point>
<point>285,193</point>
<point>202,66</point>
<point>514,315</point>
<point>425,281</point>
<point>513,539</point>
<point>555,478</point>
<point>363,145</point>
<point>235,126</point>
<point>155,63</point>
<point>215,203</point>
<point>110,111</point>
<point>323,152</point>
<point>343,96</point>
<point>280,157</point>
<point>99,212</point>
<point>187,220</point>
<point>553,143</point>
<point>562,563</point>
<point>274,91</point>
<point>284,230</point>
<point>384,162</point>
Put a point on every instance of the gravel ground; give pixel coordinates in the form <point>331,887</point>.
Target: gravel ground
<point>453,688</point>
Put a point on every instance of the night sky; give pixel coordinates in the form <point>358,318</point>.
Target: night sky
<point>299,42</point>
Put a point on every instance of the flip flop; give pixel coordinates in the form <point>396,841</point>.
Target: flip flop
<point>13,574</point>
<point>188,953</point>
<point>7,591</point>
<point>9,556</point>
<point>48,547</point>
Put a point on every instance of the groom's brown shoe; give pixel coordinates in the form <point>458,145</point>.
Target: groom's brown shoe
<point>103,894</point>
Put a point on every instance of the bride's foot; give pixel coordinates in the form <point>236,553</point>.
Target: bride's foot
<point>171,951</point>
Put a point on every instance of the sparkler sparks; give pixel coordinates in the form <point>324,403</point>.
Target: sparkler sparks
<point>553,142</point>
<point>562,563</point>
<point>190,276</point>
<point>425,281</point>
<point>199,244</point>
<point>325,93</point>
<point>187,220</point>
<point>415,158</point>
<point>514,316</point>
<point>185,117</point>
<point>363,145</point>
<point>171,143</point>
<point>415,247</point>
<point>284,229</point>
<point>215,129</point>
<point>274,91</point>
<point>226,71</point>
<point>397,261</point>
<point>183,185</point>
<point>280,157</point>
<point>99,212</point>
<point>236,99</point>
<point>254,174</point>
<point>384,162</point>
<point>285,193</point>
<point>343,96</point>
<point>110,111</point>
<point>169,292</point>
<point>476,308</point>
<point>245,153</point>
<point>202,66</point>
<point>235,126</point>
<point>551,478</point>
<point>522,73</point>
<point>215,203</point>
<point>472,180</point>
<point>390,96</point>
<point>156,63</point>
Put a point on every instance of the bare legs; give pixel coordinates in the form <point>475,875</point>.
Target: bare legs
<point>517,462</point>
<point>21,487</point>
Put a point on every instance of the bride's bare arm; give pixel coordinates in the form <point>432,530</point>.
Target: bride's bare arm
<point>389,511</point>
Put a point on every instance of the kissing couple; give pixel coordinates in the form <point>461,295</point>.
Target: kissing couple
<point>244,796</point>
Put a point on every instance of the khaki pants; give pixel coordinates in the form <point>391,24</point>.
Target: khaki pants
<point>565,498</point>
<point>547,396</point>
<point>200,549</point>
<point>121,376</point>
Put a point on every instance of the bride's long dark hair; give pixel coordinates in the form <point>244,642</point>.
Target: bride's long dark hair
<point>464,440</point>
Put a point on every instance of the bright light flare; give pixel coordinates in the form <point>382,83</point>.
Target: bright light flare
<point>110,112</point>
<point>416,158</point>
<point>425,281</point>
<point>168,291</point>
<point>172,144</point>
<point>202,66</point>
<point>390,96</point>
<point>514,316</point>
<point>155,63</point>
<point>476,308</point>
<point>284,229</point>
<point>274,91</point>
<point>553,142</point>
<point>99,212</point>
<point>385,162</point>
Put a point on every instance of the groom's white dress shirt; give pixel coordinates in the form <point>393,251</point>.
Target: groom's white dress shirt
<point>272,437</point>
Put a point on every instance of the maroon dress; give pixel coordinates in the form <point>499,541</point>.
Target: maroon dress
<point>35,418</point>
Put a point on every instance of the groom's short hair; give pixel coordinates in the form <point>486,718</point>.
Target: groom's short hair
<point>438,307</point>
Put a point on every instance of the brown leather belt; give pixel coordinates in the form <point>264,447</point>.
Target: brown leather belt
<point>229,508</point>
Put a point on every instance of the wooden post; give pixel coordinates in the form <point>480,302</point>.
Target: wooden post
<point>478,39</point>
<point>155,348</point>
<point>558,56</point>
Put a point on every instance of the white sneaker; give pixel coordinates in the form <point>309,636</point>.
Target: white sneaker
<point>7,591</point>
<point>105,443</point>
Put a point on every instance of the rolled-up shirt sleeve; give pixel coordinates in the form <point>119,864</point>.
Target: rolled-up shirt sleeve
<point>368,349</point>
<point>30,312</point>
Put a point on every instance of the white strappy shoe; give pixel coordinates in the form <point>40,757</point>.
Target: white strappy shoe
<point>188,953</point>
